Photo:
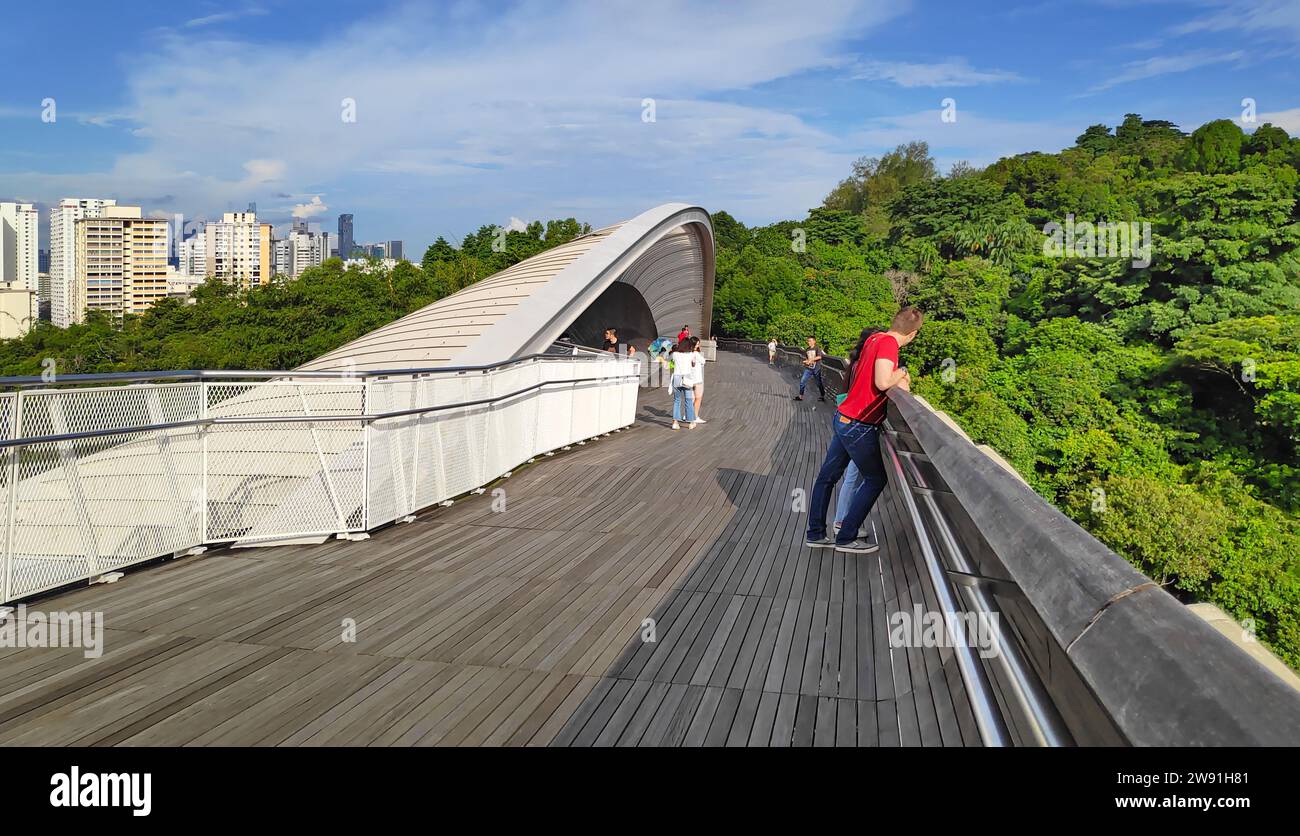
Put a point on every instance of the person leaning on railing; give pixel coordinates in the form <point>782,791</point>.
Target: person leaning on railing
<point>857,435</point>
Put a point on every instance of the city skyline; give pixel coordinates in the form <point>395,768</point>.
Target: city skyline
<point>439,133</point>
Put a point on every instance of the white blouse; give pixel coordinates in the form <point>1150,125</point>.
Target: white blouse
<point>688,368</point>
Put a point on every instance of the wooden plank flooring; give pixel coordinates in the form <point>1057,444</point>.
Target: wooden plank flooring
<point>523,627</point>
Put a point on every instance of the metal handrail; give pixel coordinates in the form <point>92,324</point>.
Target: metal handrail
<point>984,703</point>
<point>187,375</point>
<point>1045,722</point>
<point>363,418</point>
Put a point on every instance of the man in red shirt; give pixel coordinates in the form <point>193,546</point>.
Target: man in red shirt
<point>857,435</point>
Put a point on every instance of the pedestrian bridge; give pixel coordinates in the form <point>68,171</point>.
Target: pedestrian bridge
<point>524,553</point>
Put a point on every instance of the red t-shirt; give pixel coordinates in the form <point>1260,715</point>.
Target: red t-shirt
<point>865,402</point>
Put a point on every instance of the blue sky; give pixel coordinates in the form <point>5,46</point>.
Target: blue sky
<point>480,113</point>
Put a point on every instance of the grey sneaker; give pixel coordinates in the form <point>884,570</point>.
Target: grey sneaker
<point>823,543</point>
<point>862,545</point>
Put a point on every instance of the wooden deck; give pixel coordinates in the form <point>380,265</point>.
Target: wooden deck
<point>524,626</point>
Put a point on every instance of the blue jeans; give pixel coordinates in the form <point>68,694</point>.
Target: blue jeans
<point>859,443</point>
<point>684,396</point>
<point>852,481</point>
<point>814,374</point>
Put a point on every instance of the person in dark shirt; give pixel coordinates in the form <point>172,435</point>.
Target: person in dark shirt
<point>856,436</point>
<point>611,341</point>
<point>812,370</point>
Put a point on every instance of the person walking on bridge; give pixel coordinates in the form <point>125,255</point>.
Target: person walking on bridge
<point>812,369</point>
<point>771,351</point>
<point>683,385</point>
<point>856,437</point>
<point>698,377</point>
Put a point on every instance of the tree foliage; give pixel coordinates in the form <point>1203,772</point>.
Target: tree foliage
<point>1157,403</point>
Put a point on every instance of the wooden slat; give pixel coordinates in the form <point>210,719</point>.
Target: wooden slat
<point>524,627</point>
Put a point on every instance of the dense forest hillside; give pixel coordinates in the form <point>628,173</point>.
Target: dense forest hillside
<point>1144,377</point>
<point>1151,391</point>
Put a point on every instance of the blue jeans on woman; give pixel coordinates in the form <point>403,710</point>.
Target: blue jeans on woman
<point>857,442</point>
<point>684,396</point>
<point>852,481</point>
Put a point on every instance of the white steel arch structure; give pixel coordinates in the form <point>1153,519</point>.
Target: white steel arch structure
<point>666,253</point>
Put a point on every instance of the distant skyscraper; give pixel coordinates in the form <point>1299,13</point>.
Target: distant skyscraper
<point>63,251</point>
<point>394,250</point>
<point>346,241</point>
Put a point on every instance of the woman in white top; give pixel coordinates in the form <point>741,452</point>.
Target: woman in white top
<point>771,351</point>
<point>698,379</point>
<point>685,363</point>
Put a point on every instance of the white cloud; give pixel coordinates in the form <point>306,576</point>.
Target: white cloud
<point>460,117</point>
<point>264,171</point>
<point>955,72</point>
<point>975,138</point>
<point>1287,120</point>
<point>1266,17</point>
<point>223,17</point>
<point>310,209</point>
<point>1165,64</point>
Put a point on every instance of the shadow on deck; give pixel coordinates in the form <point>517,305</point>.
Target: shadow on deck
<point>522,624</point>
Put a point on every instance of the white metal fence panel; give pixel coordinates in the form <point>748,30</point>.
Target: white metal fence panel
<point>212,461</point>
<point>279,479</point>
<point>85,506</point>
<point>555,407</point>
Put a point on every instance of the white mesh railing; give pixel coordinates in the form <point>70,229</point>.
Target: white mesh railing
<point>97,477</point>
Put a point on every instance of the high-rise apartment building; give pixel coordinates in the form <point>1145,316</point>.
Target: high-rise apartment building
<point>19,268</point>
<point>238,250</point>
<point>192,255</point>
<point>63,251</point>
<point>19,246</point>
<point>307,248</point>
<point>121,261</point>
<point>346,241</point>
<point>281,257</point>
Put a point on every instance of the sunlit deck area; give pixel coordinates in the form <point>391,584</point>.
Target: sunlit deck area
<point>517,618</point>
